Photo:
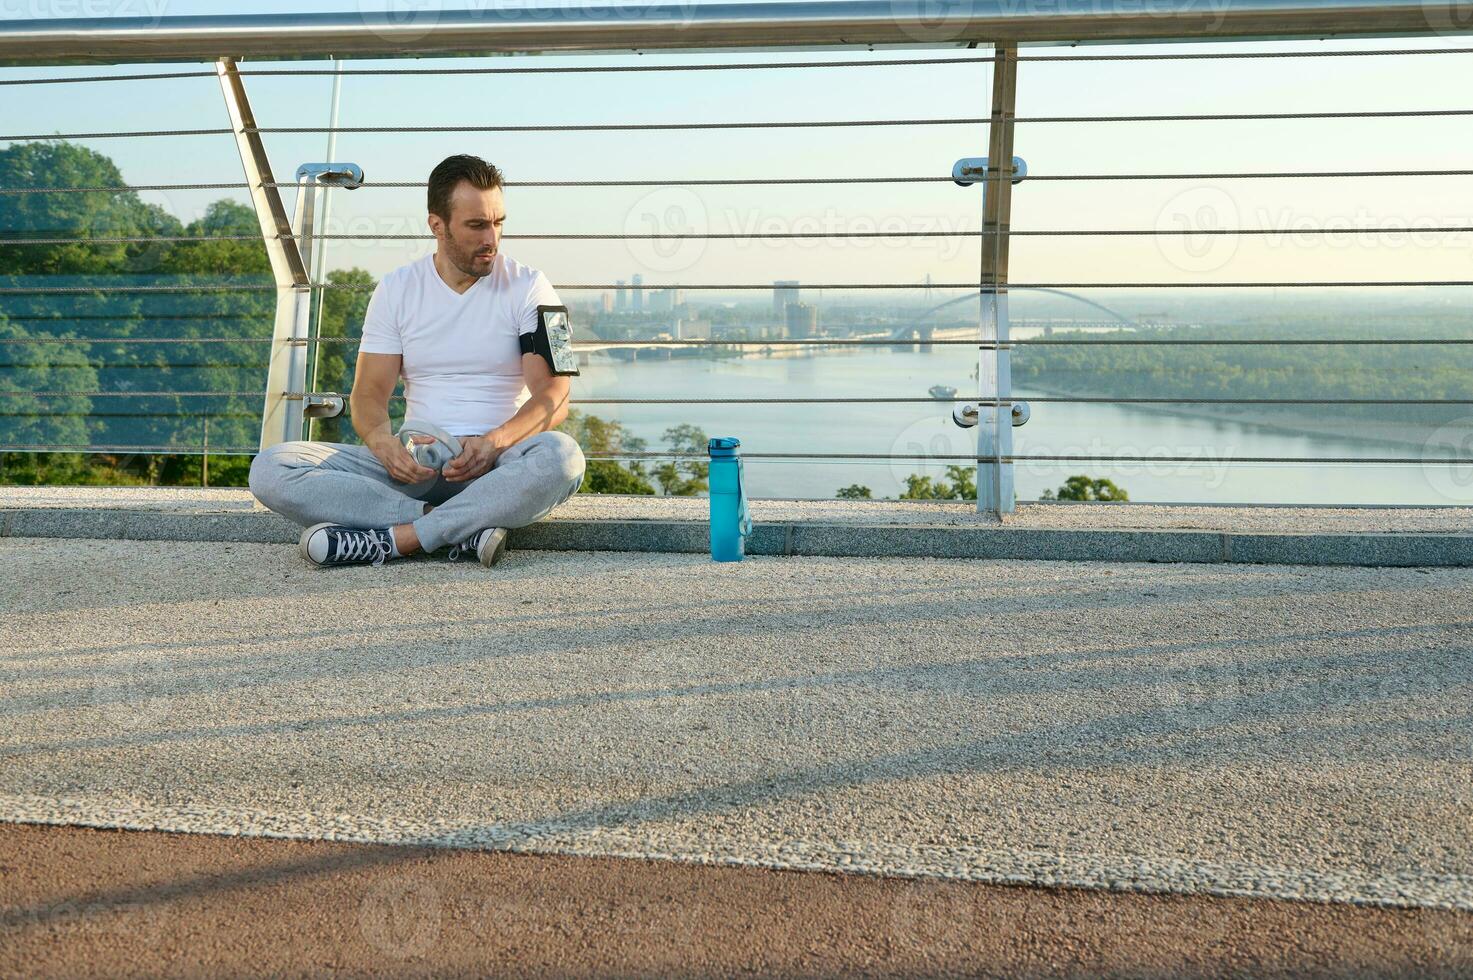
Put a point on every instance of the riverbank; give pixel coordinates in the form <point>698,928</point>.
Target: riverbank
<point>1294,420</point>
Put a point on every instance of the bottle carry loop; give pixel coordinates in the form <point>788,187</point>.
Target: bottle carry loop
<point>744,517</point>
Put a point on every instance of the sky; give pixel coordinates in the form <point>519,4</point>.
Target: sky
<point>1398,210</point>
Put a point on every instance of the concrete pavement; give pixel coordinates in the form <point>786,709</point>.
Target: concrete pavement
<point>1270,731</point>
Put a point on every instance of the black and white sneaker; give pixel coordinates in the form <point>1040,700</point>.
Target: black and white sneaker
<point>329,545</point>
<point>489,545</point>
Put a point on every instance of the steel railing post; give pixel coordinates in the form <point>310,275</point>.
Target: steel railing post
<point>994,365</point>
<point>281,417</point>
<point>318,247</point>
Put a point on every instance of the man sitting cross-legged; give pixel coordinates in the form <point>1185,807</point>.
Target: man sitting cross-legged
<point>457,325</point>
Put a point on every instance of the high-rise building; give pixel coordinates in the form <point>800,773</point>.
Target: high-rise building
<point>637,284</point>
<point>802,320</point>
<point>692,328</point>
<point>621,297</point>
<point>662,300</point>
<point>784,291</point>
<point>608,302</point>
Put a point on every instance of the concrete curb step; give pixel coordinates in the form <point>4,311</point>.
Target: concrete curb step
<point>813,538</point>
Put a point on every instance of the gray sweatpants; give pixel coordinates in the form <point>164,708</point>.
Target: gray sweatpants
<point>313,482</point>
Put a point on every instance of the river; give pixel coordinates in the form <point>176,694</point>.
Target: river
<point>925,428</point>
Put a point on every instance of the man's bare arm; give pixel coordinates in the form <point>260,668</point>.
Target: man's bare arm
<point>546,409</point>
<point>373,383</point>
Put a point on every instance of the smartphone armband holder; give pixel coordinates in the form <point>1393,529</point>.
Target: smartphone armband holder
<point>552,340</point>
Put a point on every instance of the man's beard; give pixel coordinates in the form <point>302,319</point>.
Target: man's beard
<point>466,262</point>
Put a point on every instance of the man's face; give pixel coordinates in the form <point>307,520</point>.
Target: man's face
<point>472,236</point>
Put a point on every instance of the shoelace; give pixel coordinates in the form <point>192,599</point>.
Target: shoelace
<point>464,546</point>
<point>358,545</point>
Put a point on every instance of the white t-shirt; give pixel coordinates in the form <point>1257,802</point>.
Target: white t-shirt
<point>462,359</point>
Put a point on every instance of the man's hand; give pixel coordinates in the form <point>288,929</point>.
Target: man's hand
<point>396,459</point>
<point>477,455</point>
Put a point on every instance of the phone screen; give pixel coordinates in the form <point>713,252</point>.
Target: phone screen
<point>560,341</point>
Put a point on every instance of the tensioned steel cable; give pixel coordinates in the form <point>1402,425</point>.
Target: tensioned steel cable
<point>131,134</point>
<point>764,124</point>
<point>759,236</point>
<point>723,182</point>
<point>885,457</point>
<point>761,181</point>
<point>128,414</point>
<point>694,182</point>
<point>133,394</point>
<point>1259,175</point>
<point>596,236</point>
<point>171,366</point>
<point>354,287</point>
<point>548,128</point>
<point>1235,116</point>
<point>1010,458</point>
<point>816,342</point>
<point>950,342</point>
<point>587,69</point>
<point>67,290</point>
<point>1256,342</point>
<point>576,344</point>
<point>127,188</point>
<point>996,403</point>
<point>46,318</point>
<point>124,450</point>
<point>911,400</point>
<point>1102,400</point>
<point>157,340</point>
<point>1168,232</point>
<point>830,123</point>
<point>1236,55</point>
<point>603,401</point>
<point>505,70</point>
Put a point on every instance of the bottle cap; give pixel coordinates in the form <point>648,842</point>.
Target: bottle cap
<point>723,444</point>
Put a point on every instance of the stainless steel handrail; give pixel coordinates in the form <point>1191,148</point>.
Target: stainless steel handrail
<point>704,27</point>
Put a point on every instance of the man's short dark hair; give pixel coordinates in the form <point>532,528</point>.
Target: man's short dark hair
<point>448,175</point>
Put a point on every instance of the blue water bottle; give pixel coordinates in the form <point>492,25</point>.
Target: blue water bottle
<point>730,523</point>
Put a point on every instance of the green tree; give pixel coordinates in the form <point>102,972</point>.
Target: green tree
<point>854,491</point>
<point>74,214</point>
<point>963,486</point>
<point>64,469</point>
<point>210,257</point>
<point>187,471</point>
<point>919,487</point>
<point>233,420</point>
<point>600,437</point>
<point>342,327</point>
<point>117,327</point>
<point>1076,364</point>
<point>35,419</point>
<point>963,482</point>
<point>686,477</point>
<point>1081,487</point>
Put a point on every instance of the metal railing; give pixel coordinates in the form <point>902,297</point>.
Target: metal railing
<point>295,246</point>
